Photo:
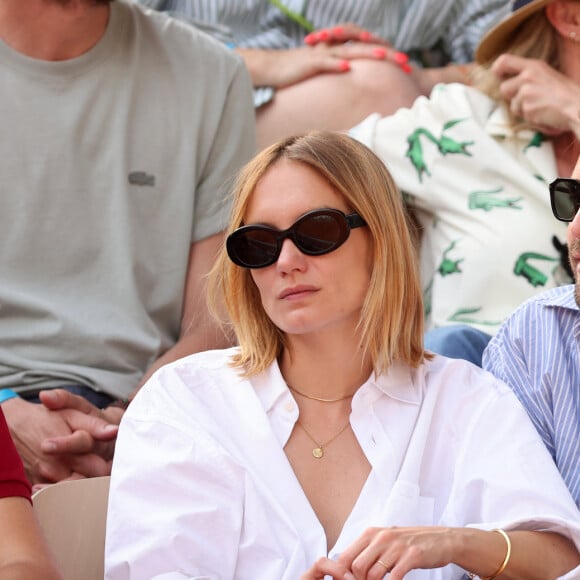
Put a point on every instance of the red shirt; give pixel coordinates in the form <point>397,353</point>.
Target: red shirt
<point>13,481</point>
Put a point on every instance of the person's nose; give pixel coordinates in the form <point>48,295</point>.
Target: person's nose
<point>291,258</point>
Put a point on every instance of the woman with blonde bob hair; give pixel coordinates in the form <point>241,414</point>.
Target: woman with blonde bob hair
<point>392,316</point>
<point>328,443</point>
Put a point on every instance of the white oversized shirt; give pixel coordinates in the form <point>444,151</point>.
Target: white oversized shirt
<point>201,487</point>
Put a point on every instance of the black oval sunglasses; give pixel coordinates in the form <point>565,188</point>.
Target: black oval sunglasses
<point>315,233</point>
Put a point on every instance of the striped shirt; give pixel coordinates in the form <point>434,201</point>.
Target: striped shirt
<point>537,353</point>
<point>408,24</point>
<point>449,29</point>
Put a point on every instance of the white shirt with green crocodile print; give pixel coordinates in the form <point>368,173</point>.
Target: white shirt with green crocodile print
<point>481,195</point>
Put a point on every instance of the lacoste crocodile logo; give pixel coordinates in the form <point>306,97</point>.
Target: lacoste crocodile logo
<point>448,266</point>
<point>535,141</point>
<point>445,144</point>
<point>534,276</point>
<point>488,200</point>
<point>141,178</point>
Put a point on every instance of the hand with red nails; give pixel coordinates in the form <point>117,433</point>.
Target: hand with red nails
<point>341,33</point>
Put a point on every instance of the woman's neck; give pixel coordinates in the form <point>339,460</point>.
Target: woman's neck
<point>325,368</point>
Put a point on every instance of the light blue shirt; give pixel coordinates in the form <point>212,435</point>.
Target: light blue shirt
<point>536,352</point>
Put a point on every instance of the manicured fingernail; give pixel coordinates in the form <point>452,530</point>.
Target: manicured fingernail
<point>344,65</point>
<point>365,35</point>
<point>337,30</point>
<point>380,52</point>
<point>401,58</point>
<point>323,35</point>
<point>406,68</point>
<point>310,38</point>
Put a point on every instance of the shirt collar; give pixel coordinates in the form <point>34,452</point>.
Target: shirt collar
<point>564,298</point>
<point>400,382</point>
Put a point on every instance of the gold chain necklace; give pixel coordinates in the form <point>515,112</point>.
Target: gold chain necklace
<point>319,399</point>
<point>318,451</point>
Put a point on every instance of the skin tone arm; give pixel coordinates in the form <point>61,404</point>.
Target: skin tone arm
<point>70,438</point>
<point>24,554</point>
<point>535,555</point>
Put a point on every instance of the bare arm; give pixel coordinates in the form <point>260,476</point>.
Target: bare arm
<point>24,554</point>
<point>534,555</point>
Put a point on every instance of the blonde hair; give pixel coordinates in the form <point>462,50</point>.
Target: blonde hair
<point>535,38</point>
<point>391,322</point>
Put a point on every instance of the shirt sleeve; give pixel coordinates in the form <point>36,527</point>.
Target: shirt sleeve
<point>467,25</point>
<point>233,143</point>
<point>193,511</point>
<point>500,481</point>
<point>13,481</point>
<point>506,358</point>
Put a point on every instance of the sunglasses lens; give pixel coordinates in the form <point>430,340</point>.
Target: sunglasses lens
<point>566,200</point>
<point>321,232</point>
<point>252,248</point>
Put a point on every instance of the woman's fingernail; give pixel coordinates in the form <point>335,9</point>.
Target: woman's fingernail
<point>344,65</point>
<point>406,68</point>
<point>337,30</point>
<point>365,35</point>
<point>380,52</point>
<point>401,58</point>
<point>310,38</point>
<point>323,35</point>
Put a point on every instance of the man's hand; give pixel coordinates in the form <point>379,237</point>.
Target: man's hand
<point>71,440</point>
<point>539,94</point>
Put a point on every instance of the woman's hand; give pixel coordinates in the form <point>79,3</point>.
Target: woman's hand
<point>539,94</point>
<point>342,33</point>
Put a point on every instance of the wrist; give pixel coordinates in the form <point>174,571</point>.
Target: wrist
<point>7,394</point>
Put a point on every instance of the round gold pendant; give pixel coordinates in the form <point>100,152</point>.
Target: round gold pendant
<point>317,452</point>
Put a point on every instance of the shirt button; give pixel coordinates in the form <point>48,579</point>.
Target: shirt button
<point>289,406</point>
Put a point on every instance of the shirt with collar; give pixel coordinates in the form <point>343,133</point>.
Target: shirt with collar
<point>537,353</point>
<point>201,486</point>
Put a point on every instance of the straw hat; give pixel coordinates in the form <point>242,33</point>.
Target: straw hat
<point>496,39</point>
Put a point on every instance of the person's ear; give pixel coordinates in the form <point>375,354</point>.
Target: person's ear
<point>564,16</point>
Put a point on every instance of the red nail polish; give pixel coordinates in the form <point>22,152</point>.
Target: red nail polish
<point>406,68</point>
<point>323,35</point>
<point>344,65</point>
<point>380,52</point>
<point>401,58</point>
<point>338,30</point>
<point>310,38</point>
<point>364,36</point>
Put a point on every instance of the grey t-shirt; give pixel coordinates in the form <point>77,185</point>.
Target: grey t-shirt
<point>111,165</point>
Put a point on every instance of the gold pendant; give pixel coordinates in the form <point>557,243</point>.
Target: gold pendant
<point>318,452</point>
